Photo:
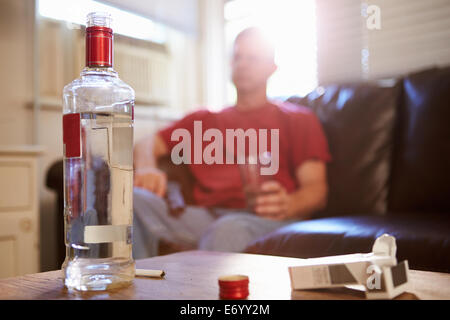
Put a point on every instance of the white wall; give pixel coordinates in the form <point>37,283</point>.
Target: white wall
<point>16,81</point>
<point>213,55</point>
<point>179,14</point>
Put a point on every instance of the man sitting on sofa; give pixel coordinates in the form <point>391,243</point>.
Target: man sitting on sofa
<point>219,220</point>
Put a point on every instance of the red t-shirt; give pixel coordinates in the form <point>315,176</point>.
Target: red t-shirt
<point>219,185</point>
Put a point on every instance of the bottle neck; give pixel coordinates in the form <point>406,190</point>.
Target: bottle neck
<point>99,47</point>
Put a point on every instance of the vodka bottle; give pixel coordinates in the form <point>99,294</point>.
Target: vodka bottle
<point>98,168</point>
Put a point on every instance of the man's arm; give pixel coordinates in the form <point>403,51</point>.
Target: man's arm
<point>310,197</point>
<point>146,174</point>
<point>147,150</point>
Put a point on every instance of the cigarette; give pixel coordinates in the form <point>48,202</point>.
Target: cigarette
<point>150,273</point>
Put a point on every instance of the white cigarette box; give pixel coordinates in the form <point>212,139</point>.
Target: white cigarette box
<point>377,271</point>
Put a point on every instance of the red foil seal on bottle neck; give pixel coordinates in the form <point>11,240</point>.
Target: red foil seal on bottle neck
<point>99,47</point>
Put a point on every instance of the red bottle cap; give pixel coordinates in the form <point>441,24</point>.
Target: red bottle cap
<point>233,287</point>
<point>99,47</point>
<point>99,40</point>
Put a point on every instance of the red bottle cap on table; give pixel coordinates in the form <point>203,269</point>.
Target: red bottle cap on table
<point>233,287</point>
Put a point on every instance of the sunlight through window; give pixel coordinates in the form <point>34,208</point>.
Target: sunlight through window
<point>124,22</point>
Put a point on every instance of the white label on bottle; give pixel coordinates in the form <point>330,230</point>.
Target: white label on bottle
<point>107,233</point>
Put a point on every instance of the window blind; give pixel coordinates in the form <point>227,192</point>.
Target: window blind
<point>413,35</point>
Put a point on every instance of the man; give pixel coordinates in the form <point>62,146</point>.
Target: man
<point>219,221</point>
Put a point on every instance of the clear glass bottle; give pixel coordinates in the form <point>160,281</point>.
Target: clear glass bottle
<point>98,168</point>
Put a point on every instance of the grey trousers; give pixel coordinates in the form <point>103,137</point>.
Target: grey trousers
<point>217,230</point>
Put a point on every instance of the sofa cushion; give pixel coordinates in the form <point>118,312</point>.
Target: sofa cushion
<point>423,241</point>
<point>421,168</point>
<point>358,120</point>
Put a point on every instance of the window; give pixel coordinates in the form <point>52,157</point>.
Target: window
<point>292,27</point>
<point>123,22</point>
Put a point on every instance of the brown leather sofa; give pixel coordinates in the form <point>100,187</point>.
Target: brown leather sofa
<point>390,142</point>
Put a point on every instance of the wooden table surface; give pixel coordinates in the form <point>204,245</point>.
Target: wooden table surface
<point>192,275</point>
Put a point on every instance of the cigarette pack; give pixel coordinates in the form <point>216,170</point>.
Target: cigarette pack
<point>377,271</point>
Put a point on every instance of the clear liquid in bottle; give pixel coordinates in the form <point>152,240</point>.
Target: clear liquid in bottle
<point>98,205</point>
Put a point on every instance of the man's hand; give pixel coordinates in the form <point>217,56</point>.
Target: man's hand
<point>146,175</point>
<point>273,202</point>
<point>151,179</point>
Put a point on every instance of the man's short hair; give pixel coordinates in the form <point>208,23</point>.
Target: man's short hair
<point>259,35</point>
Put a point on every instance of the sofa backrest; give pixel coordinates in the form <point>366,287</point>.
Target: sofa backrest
<point>421,164</point>
<point>358,120</point>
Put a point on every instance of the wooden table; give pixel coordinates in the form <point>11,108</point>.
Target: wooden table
<point>192,275</point>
